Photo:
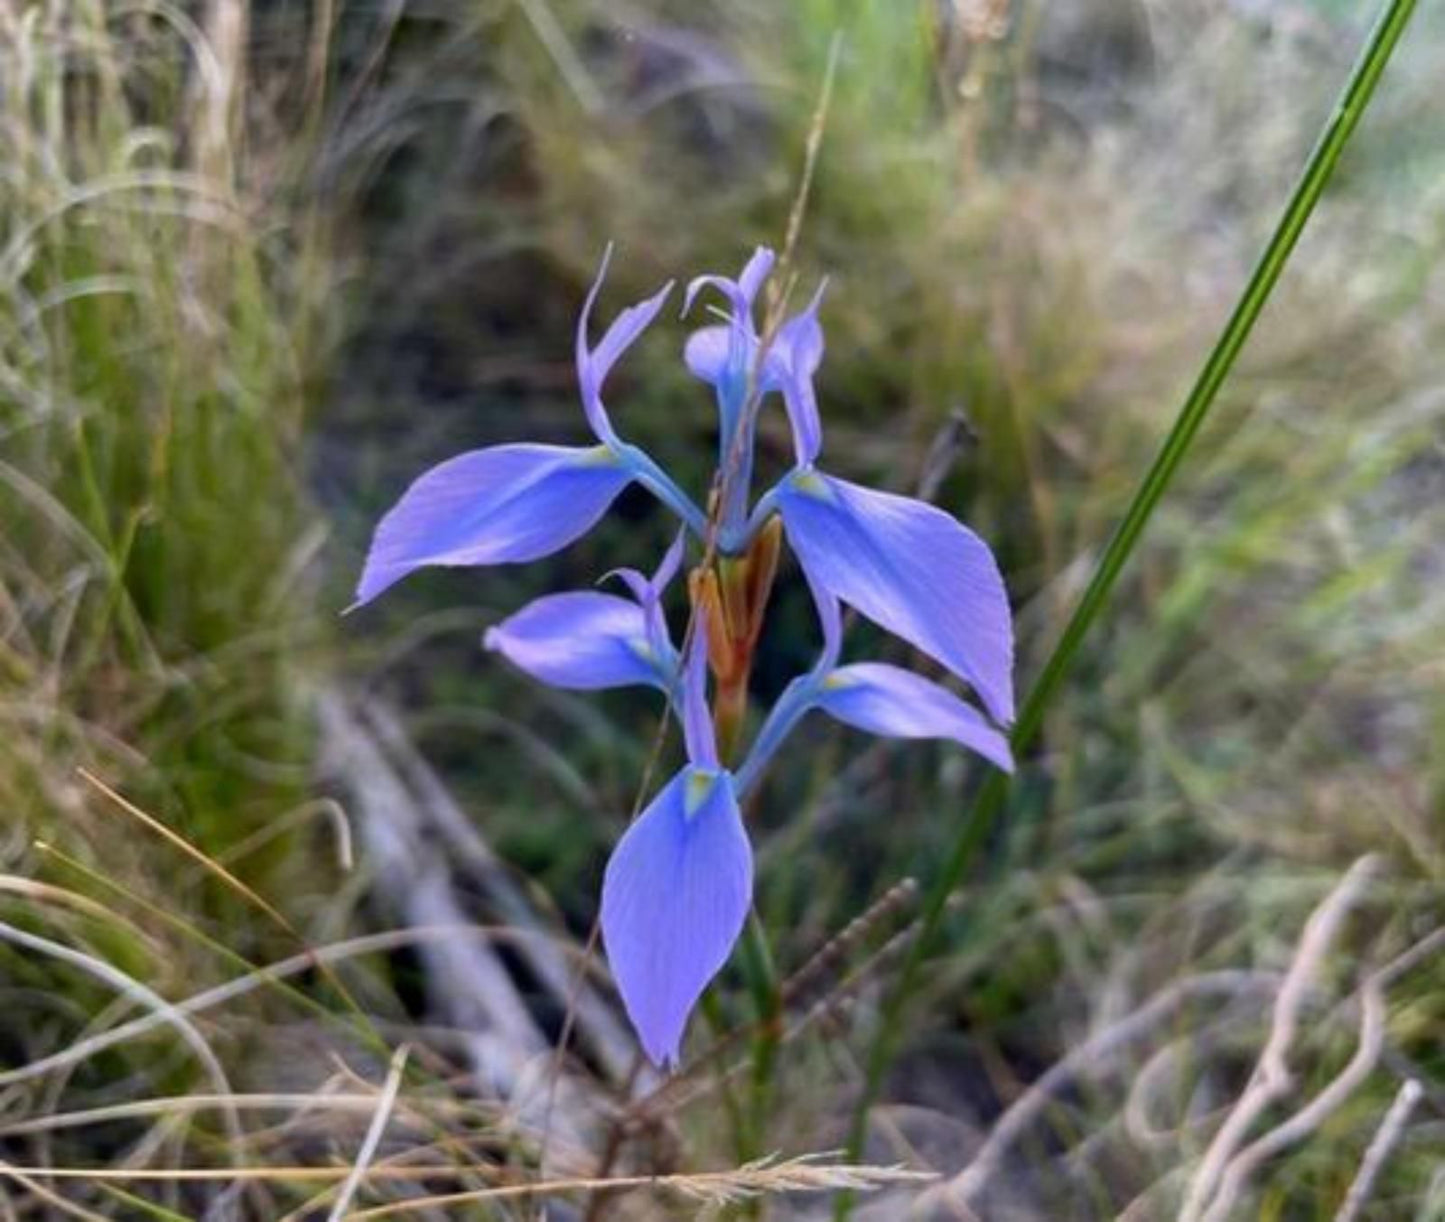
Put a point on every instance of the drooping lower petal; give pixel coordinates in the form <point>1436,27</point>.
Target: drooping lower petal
<point>583,641</point>
<point>674,898</point>
<point>912,569</point>
<point>501,505</point>
<point>888,700</point>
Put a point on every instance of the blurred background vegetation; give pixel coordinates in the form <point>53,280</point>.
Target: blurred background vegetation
<point>263,262</point>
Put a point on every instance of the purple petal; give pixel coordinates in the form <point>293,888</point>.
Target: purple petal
<point>796,353</point>
<point>912,569</point>
<point>501,505</point>
<point>757,269</point>
<point>593,365</point>
<point>697,727</point>
<point>723,356</point>
<point>830,619</point>
<point>740,292</point>
<point>674,898</point>
<point>899,704</point>
<point>636,583</point>
<point>670,563</point>
<point>582,641</point>
<point>648,592</point>
<point>706,353</point>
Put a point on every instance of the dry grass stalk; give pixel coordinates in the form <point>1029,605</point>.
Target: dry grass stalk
<point>384,1105</point>
<point>806,1173</point>
<point>827,962</point>
<point>713,1188</point>
<point>231,990</point>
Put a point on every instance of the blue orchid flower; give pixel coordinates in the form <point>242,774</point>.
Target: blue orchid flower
<point>679,884</point>
<point>908,566</point>
<point>512,503</point>
<point>585,640</point>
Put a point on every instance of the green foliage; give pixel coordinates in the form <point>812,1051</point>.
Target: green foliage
<point>159,613</point>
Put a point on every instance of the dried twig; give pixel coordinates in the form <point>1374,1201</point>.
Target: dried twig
<point>467,980</point>
<point>1271,1080</point>
<point>1086,1059</point>
<point>438,813</point>
<point>1309,1118</point>
<point>1385,1140</point>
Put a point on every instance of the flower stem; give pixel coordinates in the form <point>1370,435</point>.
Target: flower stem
<point>992,797</point>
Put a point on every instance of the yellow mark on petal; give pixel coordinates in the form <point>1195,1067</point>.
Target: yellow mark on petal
<point>810,483</point>
<point>700,782</point>
<point>837,680</point>
<point>600,456</point>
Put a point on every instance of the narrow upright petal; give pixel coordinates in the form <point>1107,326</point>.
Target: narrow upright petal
<point>501,505</point>
<point>675,895</point>
<point>723,356</point>
<point>912,569</point>
<point>896,703</point>
<point>594,364</point>
<point>697,727</point>
<point>583,641</point>
<point>796,353</point>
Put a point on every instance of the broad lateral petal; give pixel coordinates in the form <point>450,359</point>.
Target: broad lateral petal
<point>675,895</point>
<point>501,505</point>
<point>912,569</point>
<point>896,703</point>
<point>582,641</point>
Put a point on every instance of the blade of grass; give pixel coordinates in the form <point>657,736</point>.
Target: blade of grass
<point>1354,98</point>
<point>247,893</point>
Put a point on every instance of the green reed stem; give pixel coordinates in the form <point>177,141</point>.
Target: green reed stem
<point>992,797</point>
<point>762,978</point>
